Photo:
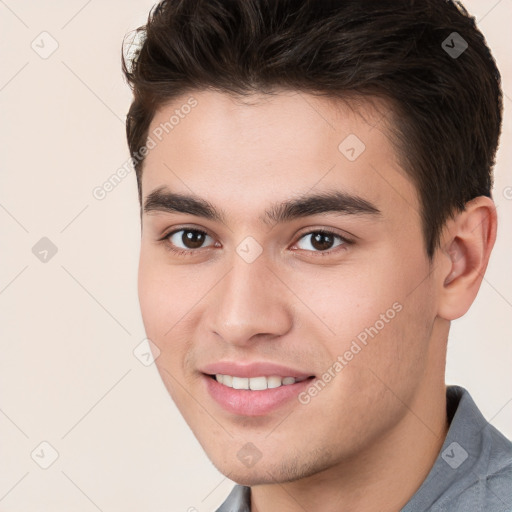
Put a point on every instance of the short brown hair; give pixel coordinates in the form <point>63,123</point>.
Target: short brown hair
<point>447,105</point>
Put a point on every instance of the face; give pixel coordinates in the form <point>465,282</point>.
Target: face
<point>298,252</point>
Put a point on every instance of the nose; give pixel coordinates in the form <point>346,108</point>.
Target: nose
<point>249,303</point>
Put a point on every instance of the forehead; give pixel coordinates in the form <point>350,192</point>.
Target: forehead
<point>265,148</point>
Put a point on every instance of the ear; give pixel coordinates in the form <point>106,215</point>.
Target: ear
<point>466,244</point>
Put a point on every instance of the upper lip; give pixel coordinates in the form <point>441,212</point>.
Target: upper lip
<point>254,369</point>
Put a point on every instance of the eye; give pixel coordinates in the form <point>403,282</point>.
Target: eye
<point>186,240</point>
<point>321,241</point>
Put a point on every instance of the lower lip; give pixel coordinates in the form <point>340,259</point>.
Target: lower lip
<point>245,402</point>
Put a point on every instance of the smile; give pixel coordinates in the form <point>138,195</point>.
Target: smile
<point>254,396</point>
<point>256,383</point>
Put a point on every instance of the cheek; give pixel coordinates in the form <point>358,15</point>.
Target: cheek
<point>151,290</point>
<point>380,313</point>
<point>168,298</point>
<point>394,336</point>
<point>160,314</point>
<point>165,294</point>
<point>346,300</point>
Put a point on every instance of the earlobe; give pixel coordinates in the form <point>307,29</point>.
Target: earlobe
<point>468,240</point>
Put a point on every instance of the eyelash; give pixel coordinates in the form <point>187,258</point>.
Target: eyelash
<point>191,252</point>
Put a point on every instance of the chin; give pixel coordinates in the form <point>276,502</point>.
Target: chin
<point>249,477</point>
<point>267,471</point>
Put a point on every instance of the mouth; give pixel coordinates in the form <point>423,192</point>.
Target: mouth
<point>256,383</point>
<point>255,396</point>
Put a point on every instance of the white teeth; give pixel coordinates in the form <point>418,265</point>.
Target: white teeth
<point>256,383</point>
<point>273,382</point>
<point>240,383</point>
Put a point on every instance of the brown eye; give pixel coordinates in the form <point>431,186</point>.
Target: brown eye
<point>320,241</point>
<point>193,239</point>
<point>187,238</point>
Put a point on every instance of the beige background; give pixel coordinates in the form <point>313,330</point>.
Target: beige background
<point>69,326</point>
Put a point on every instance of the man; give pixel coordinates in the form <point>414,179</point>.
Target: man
<point>315,185</point>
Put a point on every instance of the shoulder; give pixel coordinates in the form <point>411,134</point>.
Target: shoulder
<point>473,472</point>
<point>486,483</point>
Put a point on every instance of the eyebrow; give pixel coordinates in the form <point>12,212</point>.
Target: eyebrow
<point>163,200</point>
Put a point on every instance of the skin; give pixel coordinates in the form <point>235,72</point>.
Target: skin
<point>368,440</point>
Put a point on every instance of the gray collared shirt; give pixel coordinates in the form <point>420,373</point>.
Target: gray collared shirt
<point>473,472</point>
